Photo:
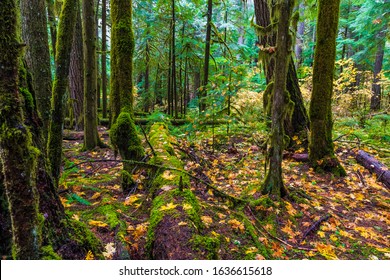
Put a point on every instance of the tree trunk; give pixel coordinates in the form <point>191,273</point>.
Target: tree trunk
<point>299,123</point>
<point>98,74</point>
<point>376,87</point>
<point>321,149</point>
<point>174,82</point>
<point>203,91</point>
<point>5,220</point>
<point>104,57</point>
<point>91,136</point>
<point>17,155</point>
<point>35,35</point>
<point>300,34</point>
<point>64,46</point>
<point>281,105</point>
<point>76,74</point>
<point>123,133</point>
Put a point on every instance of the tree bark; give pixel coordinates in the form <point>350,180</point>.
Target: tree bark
<point>52,25</point>
<point>91,136</point>
<point>37,55</point>
<point>64,46</point>
<point>76,74</point>
<point>281,104</point>
<point>104,57</point>
<point>321,148</point>
<point>299,40</point>
<point>374,166</point>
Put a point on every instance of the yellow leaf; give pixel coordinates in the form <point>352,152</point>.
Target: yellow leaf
<point>131,199</point>
<point>186,206</point>
<point>96,195</point>
<point>167,175</point>
<point>359,196</point>
<point>89,256</point>
<point>236,225</point>
<point>207,220</point>
<point>215,234</point>
<point>97,223</point>
<point>326,251</point>
<point>76,217</point>
<point>182,224</point>
<point>167,207</point>
<point>140,231</point>
<point>321,234</point>
<point>251,250</point>
<point>333,238</point>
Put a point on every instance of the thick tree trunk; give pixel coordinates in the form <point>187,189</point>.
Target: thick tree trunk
<point>91,136</point>
<point>17,155</point>
<point>321,149</point>
<point>76,74</point>
<point>281,104</point>
<point>35,35</point>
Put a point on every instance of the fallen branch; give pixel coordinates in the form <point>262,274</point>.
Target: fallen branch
<point>374,166</point>
<point>315,226</point>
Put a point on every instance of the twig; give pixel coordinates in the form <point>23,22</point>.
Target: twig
<point>315,226</point>
<point>147,141</point>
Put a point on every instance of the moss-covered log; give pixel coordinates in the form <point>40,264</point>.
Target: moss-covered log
<point>321,148</point>
<point>63,50</point>
<point>175,229</point>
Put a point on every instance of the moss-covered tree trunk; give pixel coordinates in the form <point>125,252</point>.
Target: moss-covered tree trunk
<point>298,124</point>
<point>376,87</point>
<point>35,35</point>
<point>123,133</point>
<point>63,50</point>
<point>91,136</point>
<point>321,148</point>
<point>76,74</point>
<point>5,220</point>
<point>17,154</point>
<point>281,104</point>
<point>52,25</point>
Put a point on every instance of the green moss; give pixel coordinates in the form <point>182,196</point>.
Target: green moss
<point>47,253</point>
<point>155,218</point>
<point>255,237</point>
<point>209,244</point>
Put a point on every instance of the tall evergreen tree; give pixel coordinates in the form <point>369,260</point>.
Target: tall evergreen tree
<point>321,148</point>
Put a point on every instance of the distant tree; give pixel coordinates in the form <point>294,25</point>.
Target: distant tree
<point>91,136</point>
<point>321,148</point>
<point>123,133</point>
<point>104,58</point>
<point>76,73</point>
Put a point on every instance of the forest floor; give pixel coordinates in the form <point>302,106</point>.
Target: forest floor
<point>327,218</point>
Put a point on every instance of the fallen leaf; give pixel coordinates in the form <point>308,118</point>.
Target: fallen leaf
<point>236,225</point>
<point>167,207</point>
<point>96,195</point>
<point>167,175</point>
<point>326,251</point>
<point>110,251</point>
<point>186,206</point>
<point>207,220</point>
<point>251,250</point>
<point>89,256</point>
<point>259,257</point>
<point>97,223</point>
<point>182,224</point>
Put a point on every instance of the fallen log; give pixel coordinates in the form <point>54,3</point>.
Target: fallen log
<point>374,166</point>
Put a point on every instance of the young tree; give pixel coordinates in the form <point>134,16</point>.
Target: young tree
<point>91,136</point>
<point>123,133</point>
<point>35,35</point>
<point>63,50</point>
<point>321,148</point>
<point>281,104</point>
